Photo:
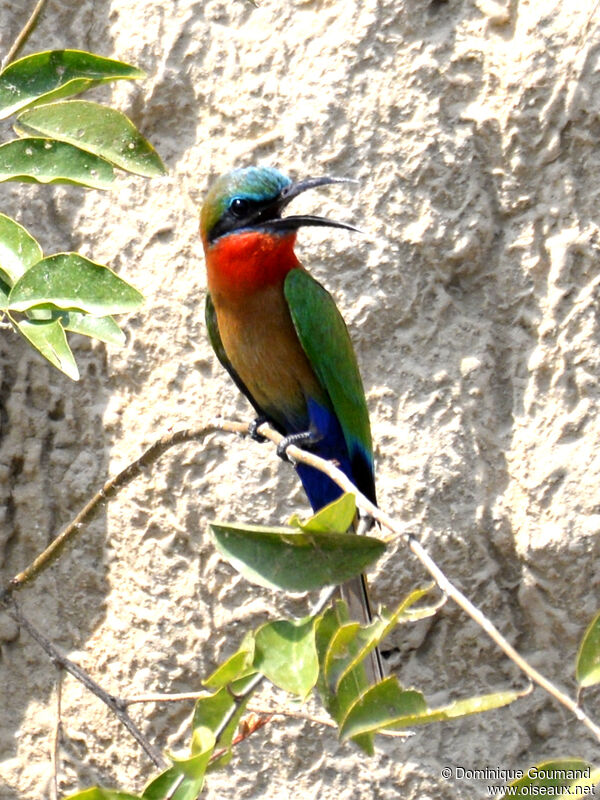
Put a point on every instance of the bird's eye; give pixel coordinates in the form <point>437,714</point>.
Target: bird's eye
<point>239,207</point>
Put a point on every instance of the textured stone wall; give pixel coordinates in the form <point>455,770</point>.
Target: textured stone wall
<point>472,301</point>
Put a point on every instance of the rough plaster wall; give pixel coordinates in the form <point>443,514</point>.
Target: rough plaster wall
<point>473,129</point>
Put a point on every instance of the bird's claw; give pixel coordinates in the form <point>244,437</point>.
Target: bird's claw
<point>253,429</point>
<point>282,449</point>
<point>303,438</point>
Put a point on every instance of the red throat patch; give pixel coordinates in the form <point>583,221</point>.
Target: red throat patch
<point>245,262</point>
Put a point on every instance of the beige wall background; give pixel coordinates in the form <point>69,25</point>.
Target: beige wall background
<point>472,126</point>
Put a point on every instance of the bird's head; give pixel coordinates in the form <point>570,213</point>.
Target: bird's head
<point>252,199</point>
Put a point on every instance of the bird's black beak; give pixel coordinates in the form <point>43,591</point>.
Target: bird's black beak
<point>291,191</point>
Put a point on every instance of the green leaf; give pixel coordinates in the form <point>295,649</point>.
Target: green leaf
<point>52,74</point>
<point>387,705</point>
<point>97,129</point>
<point>563,773</point>
<point>337,517</point>
<point>72,282</point>
<point>184,780</point>
<point>98,793</point>
<point>339,649</point>
<point>4,292</point>
<point>283,558</point>
<point>214,710</point>
<point>339,663</point>
<point>103,328</point>
<point>286,654</point>
<point>48,338</point>
<point>18,250</point>
<point>194,768</point>
<point>36,160</point>
<point>238,688</point>
<point>590,778</point>
<point>353,685</point>
<point>381,705</point>
<point>587,670</point>
<point>239,665</point>
<point>159,787</point>
<point>211,710</point>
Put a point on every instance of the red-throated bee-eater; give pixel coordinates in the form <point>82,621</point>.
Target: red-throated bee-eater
<point>280,336</point>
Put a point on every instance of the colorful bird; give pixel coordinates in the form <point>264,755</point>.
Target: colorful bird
<point>280,336</point>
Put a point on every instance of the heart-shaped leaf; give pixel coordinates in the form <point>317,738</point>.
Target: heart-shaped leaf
<point>387,705</point>
<point>292,560</point>
<point>286,654</point>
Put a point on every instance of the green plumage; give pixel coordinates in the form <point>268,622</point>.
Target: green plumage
<point>326,342</point>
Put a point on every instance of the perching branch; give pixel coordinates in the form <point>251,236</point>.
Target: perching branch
<point>115,705</point>
<point>296,454</point>
<point>91,508</point>
<point>362,502</point>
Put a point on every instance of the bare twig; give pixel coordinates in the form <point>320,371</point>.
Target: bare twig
<point>25,33</point>
<point>246,728</point>
<point>238,701</point>
<point>91,508</point>
<point>180,697</point>
<point>336,475</point>
<point>587,25</point>
<point>284,712</point>
<point>115,705</point>
<point>328,468</point>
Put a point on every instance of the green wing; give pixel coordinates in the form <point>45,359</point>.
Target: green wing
<point>217,344</point>
<point>326,342</point>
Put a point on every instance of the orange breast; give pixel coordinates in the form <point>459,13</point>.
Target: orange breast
<point>246,272</point>
<point>261,342</point>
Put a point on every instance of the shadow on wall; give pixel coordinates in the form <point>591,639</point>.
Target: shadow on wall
<point>469,323</point>
<point>53,457</point>
<point>54,453</point>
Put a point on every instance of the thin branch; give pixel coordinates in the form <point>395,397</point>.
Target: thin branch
<point>336,475</point>
<point>297,455</point>
<point>587,25</point>
<point>283,712</point>
<point>479,617</point>
<point>115,705</point>
<point>240,699</point>
<point>25,33</point>
<point>246,729</point>
<point>182,697</point>
<point>91,508</point>
<point>179,697</point>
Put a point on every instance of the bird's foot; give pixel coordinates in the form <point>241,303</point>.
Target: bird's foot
<point>303,438</point>
<point>253,429</point>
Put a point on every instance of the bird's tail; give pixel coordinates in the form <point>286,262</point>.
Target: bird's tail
<point>355,593</point>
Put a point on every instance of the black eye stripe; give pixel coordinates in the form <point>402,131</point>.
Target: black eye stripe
<point>243,212</point>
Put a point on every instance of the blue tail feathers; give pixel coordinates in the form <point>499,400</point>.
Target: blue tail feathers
<point>332,446</point>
